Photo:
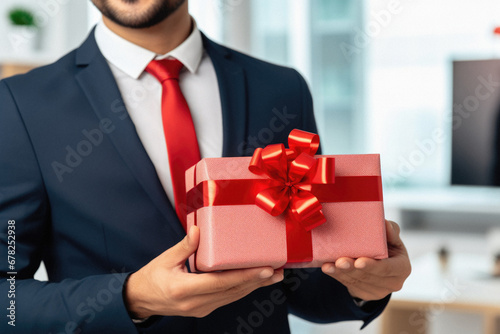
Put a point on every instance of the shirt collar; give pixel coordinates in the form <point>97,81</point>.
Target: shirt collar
<point>133,59</point>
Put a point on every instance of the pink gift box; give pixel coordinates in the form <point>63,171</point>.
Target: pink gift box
<point>244,236</point>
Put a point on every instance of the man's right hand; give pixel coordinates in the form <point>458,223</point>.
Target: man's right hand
<point>165,287</point>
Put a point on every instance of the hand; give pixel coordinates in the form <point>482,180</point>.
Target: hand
<point>371,279</point>
<point>165,287</point>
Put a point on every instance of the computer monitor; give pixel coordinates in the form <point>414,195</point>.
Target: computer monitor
<point>475,123</point>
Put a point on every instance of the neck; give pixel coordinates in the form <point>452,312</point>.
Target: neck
<point>161,38</point>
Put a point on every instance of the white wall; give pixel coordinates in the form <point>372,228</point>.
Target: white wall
<point>408,70</point>
<point>63,26</point>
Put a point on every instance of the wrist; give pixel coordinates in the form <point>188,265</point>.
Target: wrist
<point>134,299</point>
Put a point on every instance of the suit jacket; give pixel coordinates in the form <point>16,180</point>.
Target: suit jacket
<point>87,201</point>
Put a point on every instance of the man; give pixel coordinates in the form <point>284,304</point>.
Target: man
<point>85,183</point>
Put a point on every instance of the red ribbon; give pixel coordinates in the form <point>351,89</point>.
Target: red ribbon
<point>296,183</point>
<point>294,169</point>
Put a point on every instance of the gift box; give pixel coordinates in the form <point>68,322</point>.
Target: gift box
<point>285,207</point>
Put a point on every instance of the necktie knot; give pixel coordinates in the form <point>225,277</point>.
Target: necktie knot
<point>165,69</point>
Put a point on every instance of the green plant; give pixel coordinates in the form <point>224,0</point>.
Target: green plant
<point>22,17</point>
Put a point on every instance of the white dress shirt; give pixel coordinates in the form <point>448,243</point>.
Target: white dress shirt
<point>141,94</point>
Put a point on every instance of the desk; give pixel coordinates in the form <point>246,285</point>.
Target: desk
<point>11,64</point>
<point>429,291</point>
<point>454,199</point>
<point>8,70</point>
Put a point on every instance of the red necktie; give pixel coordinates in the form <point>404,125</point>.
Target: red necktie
<point>182,146</point>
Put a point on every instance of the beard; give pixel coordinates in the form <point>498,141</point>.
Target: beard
<point>131,14</point>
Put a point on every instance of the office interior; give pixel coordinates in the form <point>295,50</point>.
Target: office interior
<point>417,81</point>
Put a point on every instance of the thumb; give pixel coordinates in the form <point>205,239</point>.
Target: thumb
<point>392,230</point>
<point>178,254</point>
<point>395,245</point>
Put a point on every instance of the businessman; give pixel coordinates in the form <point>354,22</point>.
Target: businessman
<point>90,151</point>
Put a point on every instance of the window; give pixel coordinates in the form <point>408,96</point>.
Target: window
<point>379,71</point>
<point>307,35</point>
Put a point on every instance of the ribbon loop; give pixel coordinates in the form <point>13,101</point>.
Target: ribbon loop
<point>306,209</point>
<point>274,159</point>
<point>271,161</point>
<point>301,141</point>
<point>299,167</point>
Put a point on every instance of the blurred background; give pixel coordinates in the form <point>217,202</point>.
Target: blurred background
<point>417,81</point>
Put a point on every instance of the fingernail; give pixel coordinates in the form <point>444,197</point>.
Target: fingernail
<point>344,265</point>
<point>266,273</point>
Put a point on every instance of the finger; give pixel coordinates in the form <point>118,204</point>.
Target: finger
<point>204,304</point>
<point>347,279</point>
<point>350,274</point>
<point>344,264</point>
<point>362,277</point>
<point>367,287</point>
<point>328,268</point>
<point>250,286</point>
<point>371,290</point>
<point>222,281</point>
<point>392,267</point>
<point>392,232</point>
<point>278,276</point>
<point>375,272</point>
<point>389,274</point>
<point>178,254</point>
<point>379,268</point>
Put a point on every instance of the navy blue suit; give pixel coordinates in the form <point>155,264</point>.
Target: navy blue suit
<point>87,201</point>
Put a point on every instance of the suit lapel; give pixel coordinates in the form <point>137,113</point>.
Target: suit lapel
<point>99,86</point>
<point>232,88</point>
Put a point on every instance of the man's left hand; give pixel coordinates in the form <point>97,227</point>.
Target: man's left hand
<point>371,279</point>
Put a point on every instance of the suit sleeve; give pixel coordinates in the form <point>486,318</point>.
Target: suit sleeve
<point>89,305</point>
<point>313,295</point>
<point>316,297</point>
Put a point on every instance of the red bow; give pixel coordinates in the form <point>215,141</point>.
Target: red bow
<point>295,170</point>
